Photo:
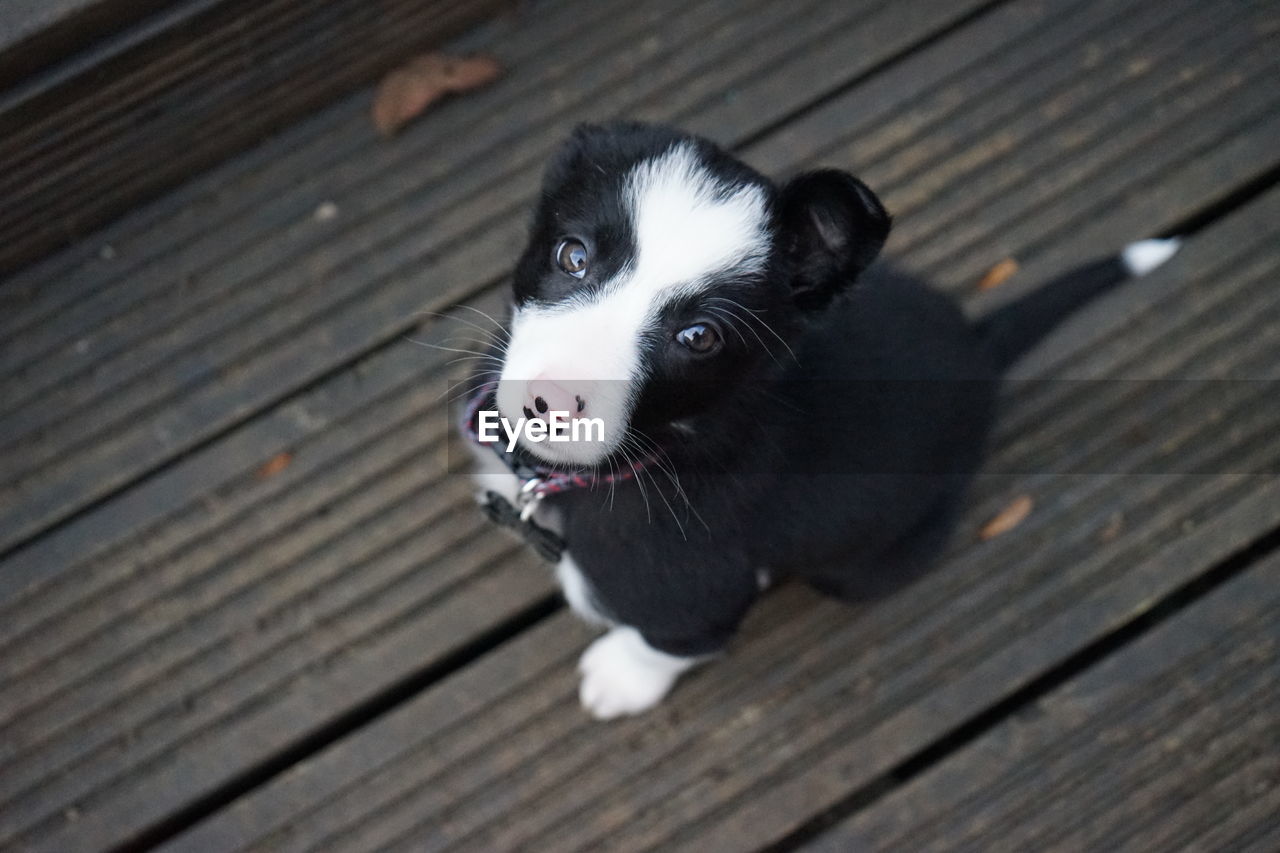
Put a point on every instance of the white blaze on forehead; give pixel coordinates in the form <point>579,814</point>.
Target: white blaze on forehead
<point>688,225</point>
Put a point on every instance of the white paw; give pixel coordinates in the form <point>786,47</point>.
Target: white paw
<point>622,674</point>
<point>490,475</point>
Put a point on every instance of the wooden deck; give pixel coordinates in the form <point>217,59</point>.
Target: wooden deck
<point>197,653</point>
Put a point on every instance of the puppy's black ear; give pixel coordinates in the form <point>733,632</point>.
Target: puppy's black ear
<point>832,226</point>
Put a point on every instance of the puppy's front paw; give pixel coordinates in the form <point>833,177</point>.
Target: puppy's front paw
<point>622,674</point>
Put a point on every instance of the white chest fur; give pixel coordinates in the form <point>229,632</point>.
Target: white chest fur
<point>491,475</point>
<point>578,592</point>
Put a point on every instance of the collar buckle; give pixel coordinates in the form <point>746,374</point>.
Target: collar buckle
<point>529,497</point>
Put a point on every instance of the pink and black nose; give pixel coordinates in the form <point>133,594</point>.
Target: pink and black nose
<point>546,395</point>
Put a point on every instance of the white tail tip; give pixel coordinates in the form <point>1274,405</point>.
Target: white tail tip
<point>1142,257</point>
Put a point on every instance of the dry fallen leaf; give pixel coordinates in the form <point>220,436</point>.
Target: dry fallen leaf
<point>274,465</point>
<point>998,274</point>
<point>406,92</point>
<point>1007,518</point>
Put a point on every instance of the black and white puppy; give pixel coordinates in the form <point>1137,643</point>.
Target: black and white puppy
<point>763,416</point>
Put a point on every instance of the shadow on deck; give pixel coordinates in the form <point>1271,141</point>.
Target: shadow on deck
<point>242,606</point>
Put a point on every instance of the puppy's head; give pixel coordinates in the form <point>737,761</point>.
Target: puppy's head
<point>661,274</point>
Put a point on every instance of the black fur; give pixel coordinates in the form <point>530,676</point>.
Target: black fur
<point>842,466</point>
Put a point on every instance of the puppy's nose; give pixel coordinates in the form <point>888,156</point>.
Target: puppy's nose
<point>545,395</point>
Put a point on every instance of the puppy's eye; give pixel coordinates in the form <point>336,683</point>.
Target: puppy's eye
<point>699,338</point>
<point>571,255</point>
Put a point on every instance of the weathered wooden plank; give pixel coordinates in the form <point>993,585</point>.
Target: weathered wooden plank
<point>328,307</point>
<point>1171,62</point>
<point>184,226</point>
<point>1154,748</point>
<point>1071,123</point>
<point>35,32</point>
<point>81,142</point>
<point>357,484</point>
<point>820,698</point>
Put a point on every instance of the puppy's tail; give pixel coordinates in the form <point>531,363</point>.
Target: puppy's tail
<point>1012,329</point>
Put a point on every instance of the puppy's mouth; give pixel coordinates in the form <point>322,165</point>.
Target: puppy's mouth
<point>567,452</point>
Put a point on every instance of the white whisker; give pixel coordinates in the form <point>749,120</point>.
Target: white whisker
<point>752,330</point>
<point>755,316</point>
<point>644,493</point>
<point>444,348</point>
<point>724,315</point>
<point>493,339</point>
<point>498,326</point>
<point>467,392</point>
<point>667,467</point>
